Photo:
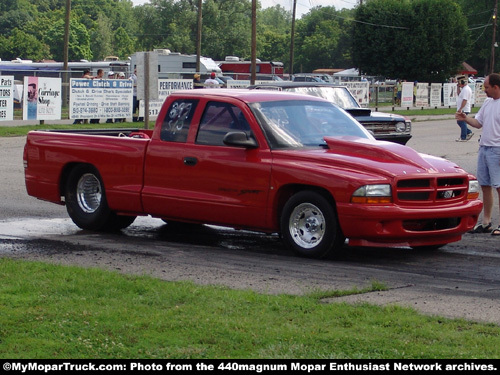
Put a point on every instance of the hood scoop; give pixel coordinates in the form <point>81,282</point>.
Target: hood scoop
<point>377,151</point>
<point>356,112</point>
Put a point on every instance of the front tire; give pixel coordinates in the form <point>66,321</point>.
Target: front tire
<point>86,202</point>
<point>309,225</point>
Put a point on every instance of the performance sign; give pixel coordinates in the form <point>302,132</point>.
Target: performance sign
<point>165,88</point>
<point>100,98</point>
<point>6,98</point>
<point>42,98</point>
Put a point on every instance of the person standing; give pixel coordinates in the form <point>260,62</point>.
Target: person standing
<point>135,102</point>
<point>464,105</point>
<point>197,82</point>
<point>488,162</point>
<point>211,82</point>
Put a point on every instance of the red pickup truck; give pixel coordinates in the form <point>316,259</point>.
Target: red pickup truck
<point>267,161</point>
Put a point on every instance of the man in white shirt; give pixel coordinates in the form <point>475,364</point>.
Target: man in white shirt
<point>488,163</point>
<point>211,82</point>
<point>464,105</point>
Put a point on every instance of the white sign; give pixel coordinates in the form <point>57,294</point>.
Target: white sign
<point>422,97</point>
<point>449,94</point>
<point>42,98</point>
<point>165,88</point>
<point>480,94</point>
<point>239,83</point>
<point>6,98</point>
<point>436,94</point>
<point>100,98</point>
<point>407,94</point>
<point>361,91</point>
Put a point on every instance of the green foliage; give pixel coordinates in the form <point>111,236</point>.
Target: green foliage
<point>423,40</point>
<point>23,45</point>
<point>479,15</point>
<point>79,41</point>
<point>101,37</point>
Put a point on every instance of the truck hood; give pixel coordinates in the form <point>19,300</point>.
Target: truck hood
<point>366,114</point>
<point>374,158</point>
<point>392,158</point>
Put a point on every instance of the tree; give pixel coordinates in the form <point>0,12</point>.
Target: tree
<point>424,40</point>
<point>227,28</point>
<point>101,37</point>
<point>23,45</point>
<point>479,16</point>
<point>317,37</point>
<point>79,41</point>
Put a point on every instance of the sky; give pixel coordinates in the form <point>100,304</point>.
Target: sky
<point>303,6</point>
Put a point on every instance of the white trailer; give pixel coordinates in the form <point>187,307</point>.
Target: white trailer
<point>175,65</point>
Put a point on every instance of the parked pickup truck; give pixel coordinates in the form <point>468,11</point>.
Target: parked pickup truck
<point>267,161</point>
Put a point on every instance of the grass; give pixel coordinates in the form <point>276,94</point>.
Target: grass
<point>429,111</point>
<point>51,311</point>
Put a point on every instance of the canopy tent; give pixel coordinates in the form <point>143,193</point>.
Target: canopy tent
<point>353,72</point>
<point>467,69</point>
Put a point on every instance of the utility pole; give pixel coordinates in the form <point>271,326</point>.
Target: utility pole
<point>493,41</point>
<point>198,37</point>
<point>253,65</point>
<point>292,39</point>
<point>65,80</point>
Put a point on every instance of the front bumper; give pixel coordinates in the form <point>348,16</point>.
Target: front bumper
<point>391,225</point>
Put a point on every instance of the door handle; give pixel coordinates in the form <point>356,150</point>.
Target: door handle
<point>190,161</point>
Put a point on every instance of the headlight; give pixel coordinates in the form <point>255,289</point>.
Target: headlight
<point>474,190</point>
<point>373,194</point>
<point>400,127</point>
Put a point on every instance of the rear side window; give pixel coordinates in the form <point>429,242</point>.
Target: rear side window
<point>218,120</point>
<point>175,127</point>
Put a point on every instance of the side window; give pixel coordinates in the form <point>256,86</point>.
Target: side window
<point>218,120</point>
<point>176,124</point>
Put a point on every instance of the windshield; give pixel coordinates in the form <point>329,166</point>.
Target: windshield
<point>303,123</point>
<point>338,95</point>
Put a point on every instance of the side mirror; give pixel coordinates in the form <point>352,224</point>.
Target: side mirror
<point>239,139</point>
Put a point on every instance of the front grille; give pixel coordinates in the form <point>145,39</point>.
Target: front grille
<point>431,190</point>
<point>426,225</point>
<point>380,127</point>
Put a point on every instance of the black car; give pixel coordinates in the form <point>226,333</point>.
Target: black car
<point>384,126</point>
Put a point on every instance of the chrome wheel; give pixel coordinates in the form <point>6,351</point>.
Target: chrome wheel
<point>89,193</point>
<point>307,225</point>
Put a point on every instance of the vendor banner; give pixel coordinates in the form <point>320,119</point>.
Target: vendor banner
<point>407,94</point>
<point>436,94</point>
<point>361,91</point>
<point>42,98</point>
<point>6,98</point>
<point>422,97</point>
<point>100,98</point>
<point>480,95</point>
<point>449,94</point>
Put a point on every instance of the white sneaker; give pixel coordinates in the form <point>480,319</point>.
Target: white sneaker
<point>469,136</point>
